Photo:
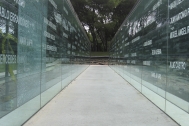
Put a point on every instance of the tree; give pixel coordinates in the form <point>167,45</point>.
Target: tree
<point>103,18</point>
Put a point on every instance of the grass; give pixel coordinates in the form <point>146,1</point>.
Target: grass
<point>99,53</point>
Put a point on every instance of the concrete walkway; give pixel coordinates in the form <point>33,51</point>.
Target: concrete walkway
<point>100,97</point>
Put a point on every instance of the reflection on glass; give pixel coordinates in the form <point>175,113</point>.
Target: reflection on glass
<point>154,42</point>
<point>42,48</point>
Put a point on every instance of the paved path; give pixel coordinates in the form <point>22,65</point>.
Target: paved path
<point>100,97</point>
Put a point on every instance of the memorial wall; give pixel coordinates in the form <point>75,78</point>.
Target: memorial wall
<point>151,51</point>
<point>43,47</point>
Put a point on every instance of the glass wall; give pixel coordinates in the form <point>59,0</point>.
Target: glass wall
<point>151,51</point>
<point>43,47</point>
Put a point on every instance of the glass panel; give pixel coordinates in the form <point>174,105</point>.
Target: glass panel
<point>155,47</point>
<point>52,50</point>
<point>40,42</point>
<point>178,80</point>
<point>154,37</point>
<point>8,57</point>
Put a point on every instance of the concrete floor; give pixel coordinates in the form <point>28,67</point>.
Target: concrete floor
<point>100,97</point>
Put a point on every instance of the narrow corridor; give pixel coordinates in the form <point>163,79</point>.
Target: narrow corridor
<point>100,97</point>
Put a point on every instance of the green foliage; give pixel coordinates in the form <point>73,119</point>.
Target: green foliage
<point>103,18</point>
<point>90,36</point>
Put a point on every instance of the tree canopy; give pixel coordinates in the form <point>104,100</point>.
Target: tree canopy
<point>102,18</point>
